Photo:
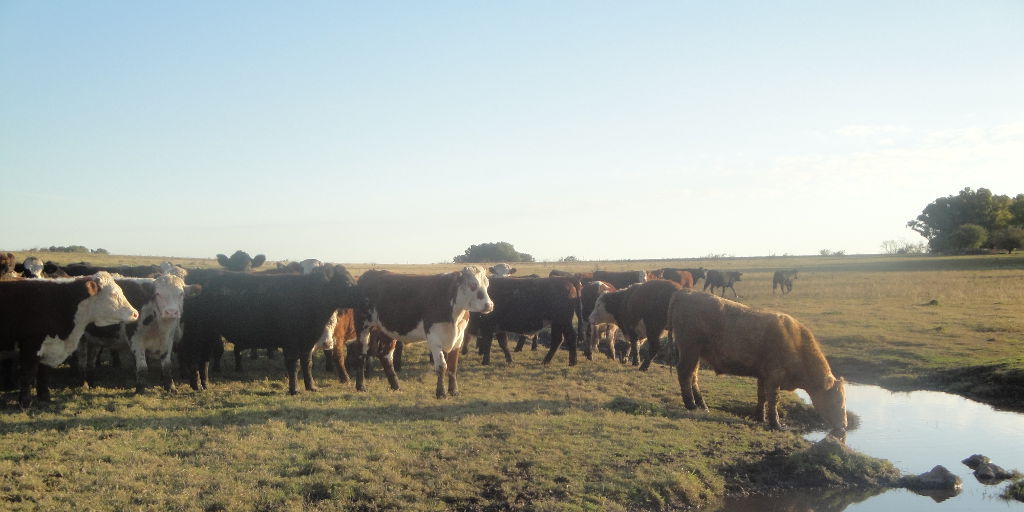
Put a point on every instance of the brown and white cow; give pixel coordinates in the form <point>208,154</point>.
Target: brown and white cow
<point>45,320</point>
<point>434,308</point>
<point>159,302</point>
<point>640,311</point>
<point>591,331</point>
<point>773,347</point>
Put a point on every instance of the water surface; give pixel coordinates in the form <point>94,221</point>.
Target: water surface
<point>915,431</point>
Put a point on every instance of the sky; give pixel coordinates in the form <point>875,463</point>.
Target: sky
<point>406,131</point>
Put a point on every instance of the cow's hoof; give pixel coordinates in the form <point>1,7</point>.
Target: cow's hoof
<point>454,393</point>
<point>140,390</point>
<point>440,395</point>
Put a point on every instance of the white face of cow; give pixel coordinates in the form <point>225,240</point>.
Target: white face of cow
<point>169,295</point>
<point>600,314</point>
<point>34,266</point>
<point>109,305</point>
<point>472,292</point>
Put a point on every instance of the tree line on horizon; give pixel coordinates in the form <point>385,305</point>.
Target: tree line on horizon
<point>970,220</point>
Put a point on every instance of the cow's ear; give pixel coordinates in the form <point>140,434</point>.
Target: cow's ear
<point>91,287</point>
<point>223,260</point>
<point>193,290</point>
<point>513,271</point>
<point>258,260</point>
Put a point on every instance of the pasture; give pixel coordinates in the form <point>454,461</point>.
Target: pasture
<point>597,436</point>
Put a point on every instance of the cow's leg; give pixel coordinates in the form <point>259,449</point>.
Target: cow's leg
<point>42,383</point>
<point>772,406</point>
<point>363,360</point>
<point>386,355</point>
<point>306,360</point>
<point>27,379</point>
<point>399,352</point>
<point>570,339</point>
<point>167,371</point>
<point>634,348</point>
<point>441,369</point>
<point>656,326</point>
<point>238,357</point>
<point>520,341</point>
<point>734,294</point>
<point>291,367</point>
<point>483,343</point>
<point>204,374</point>
<point>503,343</point>
<point>533,342</point>
<point>337,358</point>
<point>141,367</point>
<point>83,359</point>
<point>453,371</point>
<point>556,342</point>
<point>686,373</point>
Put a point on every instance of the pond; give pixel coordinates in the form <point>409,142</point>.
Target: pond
<point>915,431</point>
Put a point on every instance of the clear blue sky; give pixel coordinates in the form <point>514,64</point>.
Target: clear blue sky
<point>404,131</point>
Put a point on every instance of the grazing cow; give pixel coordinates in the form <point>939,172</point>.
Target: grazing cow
<point>527,305</point>
<point>591,332</point>
<point>783,279</point>
<point>640,311</point>
<point>159,302</point>
<point>621,280</point>
<point>501,270</point>
<point>240,261</point>
<point>723,280</point>
<point>773,347</point>
<point>45,320</point>
<point>265,311</point>
<point>434,308</point>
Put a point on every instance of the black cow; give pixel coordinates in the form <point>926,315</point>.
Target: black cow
<point>265,311</point>
<point>527,305</point>
<point>723,280</point>
<point>240,261</point>
<point>783,279</point>
<point>621,280</point>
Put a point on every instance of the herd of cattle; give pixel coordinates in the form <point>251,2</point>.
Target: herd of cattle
<point>48,312</point>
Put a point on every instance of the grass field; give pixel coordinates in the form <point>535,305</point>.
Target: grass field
<point>598,436</point>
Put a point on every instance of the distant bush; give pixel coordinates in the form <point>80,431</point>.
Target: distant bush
<point>903,247</point>
<point>492,252</point>
<point>830,252</point>
<point>569,259</point>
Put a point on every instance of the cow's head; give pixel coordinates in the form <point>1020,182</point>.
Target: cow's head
<point>600,314</point>
<point>169,294</point>
<point>501,270</point>
<point>830,402</point>
<point>33,267</point>
<point>471,292</point>
<point>108,305</point>
<point>240,261</point>
<point>734,276</point>
<point>341,287</point>
<point>6,262</point>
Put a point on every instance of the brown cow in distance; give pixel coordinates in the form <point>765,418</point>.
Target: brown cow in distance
<point>640,311</point>
<point>736,339</point>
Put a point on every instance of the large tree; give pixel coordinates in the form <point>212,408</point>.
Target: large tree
<point>942,222</point>
<point>492,252</point>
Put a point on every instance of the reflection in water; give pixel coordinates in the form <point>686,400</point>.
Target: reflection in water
<point>916,431</point>
<point>818,500</point>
